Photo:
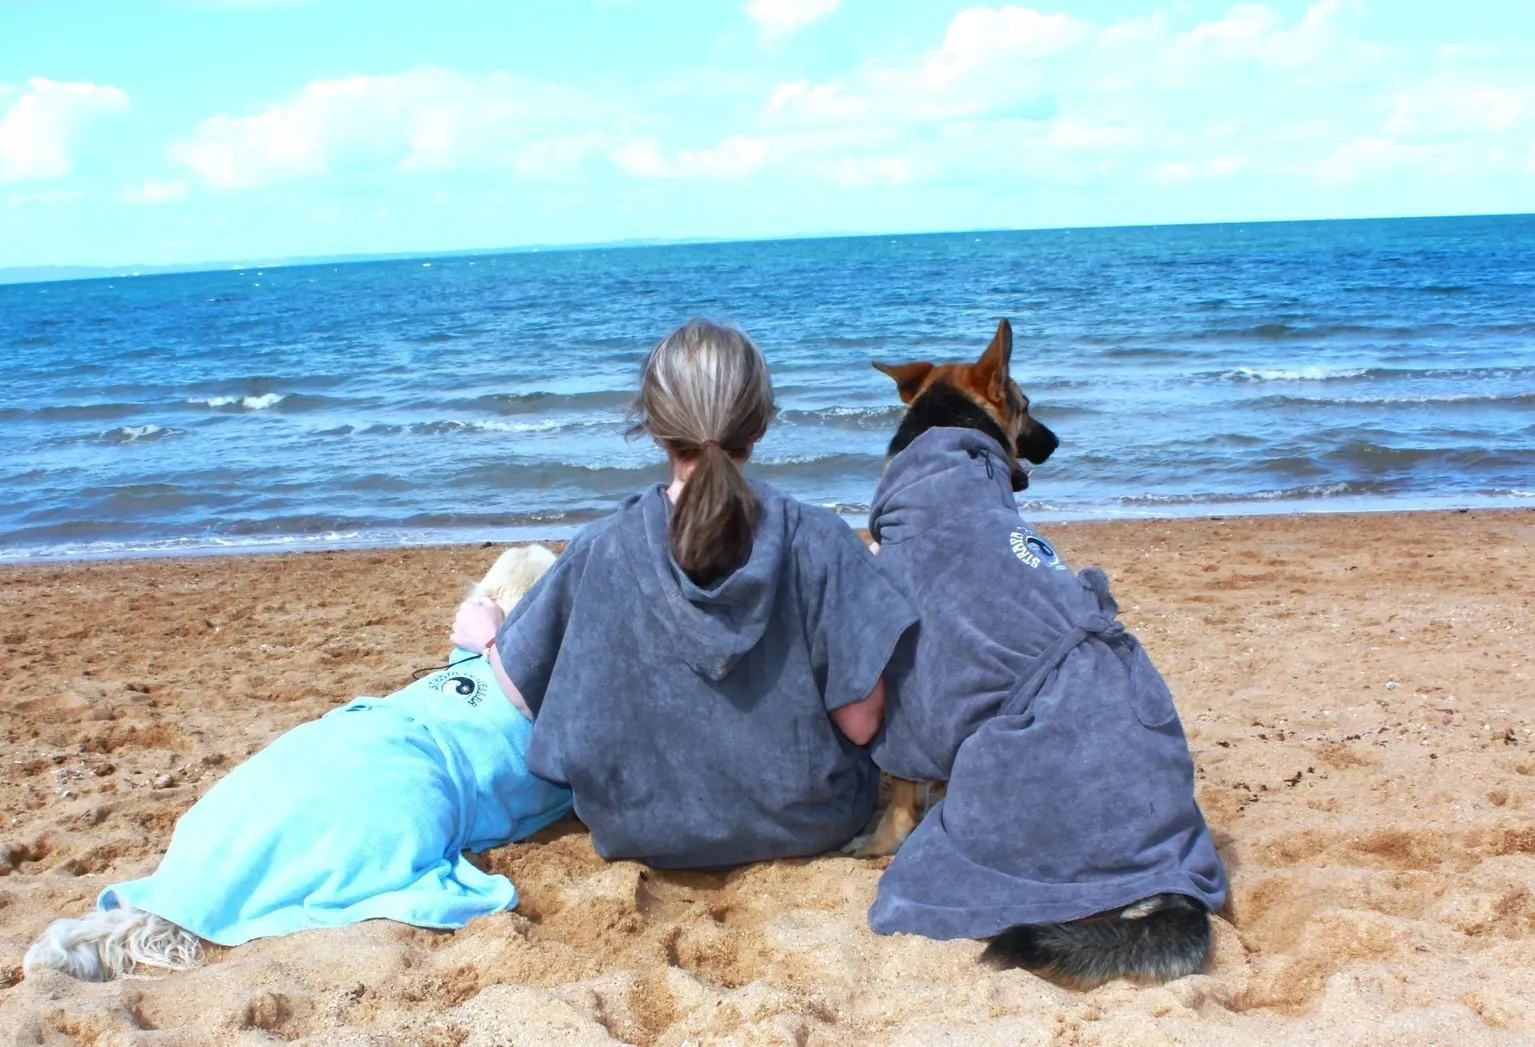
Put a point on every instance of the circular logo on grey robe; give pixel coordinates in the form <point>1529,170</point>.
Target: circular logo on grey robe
<point>1033,550</point>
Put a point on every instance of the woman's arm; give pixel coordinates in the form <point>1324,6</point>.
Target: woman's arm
<point>507,687</point>
<point>859,721</point>
<point>474,629</point>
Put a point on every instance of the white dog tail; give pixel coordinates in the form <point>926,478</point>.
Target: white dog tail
<point>513,574</point>
<point>106,943</point>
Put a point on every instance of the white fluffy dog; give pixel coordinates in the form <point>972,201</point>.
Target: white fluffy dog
<point>104,944</point>
<point>513,574</point>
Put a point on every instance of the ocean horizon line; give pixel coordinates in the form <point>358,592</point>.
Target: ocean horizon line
<point>48,274</point>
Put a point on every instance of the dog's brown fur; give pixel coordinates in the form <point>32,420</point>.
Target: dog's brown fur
<point>988,385</point>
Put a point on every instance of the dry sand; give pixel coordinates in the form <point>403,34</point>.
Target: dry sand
<point>1380,839</point>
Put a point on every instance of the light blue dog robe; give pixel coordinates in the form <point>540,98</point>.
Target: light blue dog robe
<point>362,814</point>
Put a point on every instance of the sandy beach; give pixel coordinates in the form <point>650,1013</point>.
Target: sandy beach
<point>1357,692</point>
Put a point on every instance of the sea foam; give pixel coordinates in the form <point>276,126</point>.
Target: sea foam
<point>253,402</point>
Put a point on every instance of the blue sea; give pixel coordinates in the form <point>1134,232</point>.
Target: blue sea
<point>1195,370</point>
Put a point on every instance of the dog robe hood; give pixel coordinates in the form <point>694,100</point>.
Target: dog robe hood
<point>692,725</point>
<point>1071,788</point>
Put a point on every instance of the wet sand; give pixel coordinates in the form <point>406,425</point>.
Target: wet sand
<point>1380,838</point>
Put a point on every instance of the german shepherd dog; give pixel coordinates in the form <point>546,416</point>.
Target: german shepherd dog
<point>979,396</point>
<point>1160,937</point>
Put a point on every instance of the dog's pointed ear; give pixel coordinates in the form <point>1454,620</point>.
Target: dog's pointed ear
<point>993,368</point>
<point>908,377</point>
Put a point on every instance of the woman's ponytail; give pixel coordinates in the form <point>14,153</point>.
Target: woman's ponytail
<point>715,518</point>
<point>706,397</point>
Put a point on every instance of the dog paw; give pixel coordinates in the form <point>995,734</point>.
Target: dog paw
<point>858,846</point>
<point>870,845</point>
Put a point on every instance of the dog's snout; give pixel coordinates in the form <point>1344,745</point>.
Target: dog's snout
<point>1037,444</point>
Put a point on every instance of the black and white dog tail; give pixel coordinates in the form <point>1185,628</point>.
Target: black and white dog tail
<point>1157,939</point>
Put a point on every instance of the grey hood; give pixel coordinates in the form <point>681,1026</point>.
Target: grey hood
<point>941,469</point>
<point>711,629</point>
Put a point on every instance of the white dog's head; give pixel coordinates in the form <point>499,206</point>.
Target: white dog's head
<point>513,574</point>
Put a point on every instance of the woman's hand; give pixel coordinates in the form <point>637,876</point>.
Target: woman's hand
<point>476,623</point>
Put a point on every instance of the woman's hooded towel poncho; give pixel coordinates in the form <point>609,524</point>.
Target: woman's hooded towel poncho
<point>692,724</point>
<point>1071,788</point>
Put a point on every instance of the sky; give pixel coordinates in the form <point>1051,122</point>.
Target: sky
<point>140,132</point>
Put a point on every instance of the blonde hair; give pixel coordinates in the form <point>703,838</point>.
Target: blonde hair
<point>706,397</point>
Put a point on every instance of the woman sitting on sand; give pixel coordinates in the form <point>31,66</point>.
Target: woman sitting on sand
<point>705,664</point>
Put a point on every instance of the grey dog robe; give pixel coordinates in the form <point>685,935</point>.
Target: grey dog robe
<point>1071,788</point>
<point>690,724</point>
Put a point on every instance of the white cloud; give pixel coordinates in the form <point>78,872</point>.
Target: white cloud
<point>559,158</point>
<point>1469,52</point>
<point>735,157</point>
<point>1068,133</point>
<point>153,192</point>
<point>1009,97</point>
<point>424,119</point>
<point>980,36</point>
<point>37,130</point>
<point>1370,158</point>
<point>1024,98</point>
<point>643,159</point>
<point>1456,106</point>
<point>776,18</point>
<point>1178,172</point>
<point>861,171</point>
<point>60,197</point>
<point>840,157</point>
<point>821,101</point>
<point>1242,34</point>
<point>1015,95</point>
